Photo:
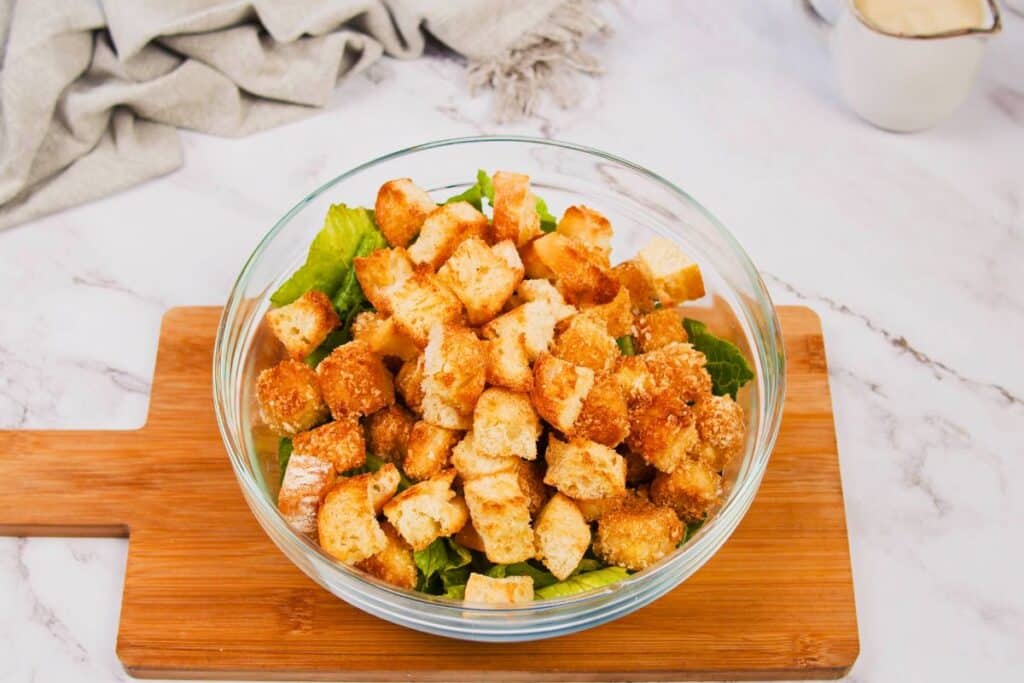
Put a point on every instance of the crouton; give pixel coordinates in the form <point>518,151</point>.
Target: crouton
<point>305,480</point>
<point>616,315</point>
<point>346,523</point>
<point>692,489</point>
<point>303,324</point>
<point>659,328</point>
<point>673,275</point>
<point>585,342</point>
<point>289,398</point>
<point>506,591</point>
<point>641,292</point>
<point>470,463</point>
<point>383,485</point>
<point>469,538</point>
<point>380,273</point>
<point>383,336</point>
<point>481,279</point>
<point>585,469</point>
<point>394,563</point>
<point>634,379</point>
<point>722,430</point>
<point>409,382</point>
<point>638,536</point>
<point>533,320</point>
<point>604,417</point>
<point>388,431</point>
<point>515,209</point>
<point>589,227</point>
<point>400,210</point>
<point>679,369</point>
<point>533,266</point>
<point>501,515</point>
<point>353,379</point>
<point>578,275</point>
<point>559,388</point>
<point>505,423</point>
<point>339,443</point>
<point>561,535</point>
<point>663,432</point>
<point>428,450</point>
<point>531,483</point>
<point>421,302</point>
<point>595,508</point>
<point>638,470</point>
<point>508,363</point>
<point>427,511</point>
<point>442,231</point>
<point>507,252</point>
<point>455,371</point>
<point>543,290</point>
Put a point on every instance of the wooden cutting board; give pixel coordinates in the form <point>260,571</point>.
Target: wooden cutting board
<point>207,595</point>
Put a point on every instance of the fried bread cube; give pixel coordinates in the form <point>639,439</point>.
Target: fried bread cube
<point>454,374</point>
<point>559,389</point>
<point>303,324</point>
<point>501,515</point>
<point>595,508</point>
<point>508,363</point>
<point>383,486</point>
<point>383,336</point>
<point>589,227</point>
<point>616,315</point>
<point>673,275</point>
<point>409,382</point>
<point>679,369</point>
<point>481,279</point>
<point>420,302</point>
<point>531,483</point>
<point>585,469</point>
<point>470,463</point>
<point>505,423</point>
<point>586,342</point>
<point>659,328</point>
<point>579,276</point>
<point>346,523</point>
<point>305,479</point>
<point>534,320</point>
<point>339,443</point>
<point>442,231</point>
<point>289,398</point>
<point>543,290</point>
<point>604,417</point>
<point>353,379</point>
<point>562,536</point>
<point>469,538</point>
<point>692,489</point>
<point>427,511</point>
<point>663,432</point>
<point>394,563</point>
<point>634,379</point>
<point>636,537</point>
<point>515,208</point>
<point>631,276</point>
<point>533,266</point>
<point>380,273</point>
<point>400,210</point>
<point>507,252</point>
<point>722,430</point>
<point>388,431</point>
<point>505,591</point>
<point>429,450</point>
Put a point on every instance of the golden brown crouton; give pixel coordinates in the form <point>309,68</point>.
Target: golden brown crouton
<point>722,430</point>
<point>584,341</point>
<point>616,315</point>
<point>454,373</point>
<point>409,382</point>
<point>508,363</point>
<point>469,538</point>
<point>394,564</point>
<point>339,443</point>
<point>289,398</point>
<point>641,291</point>
<point>634,379</point>
<point>505,423</point>
<point>427,511</point>
<point>305,480</point>
<point>346,523</point>
<point>531,483</point>
<point>585,469</point>
<point>559,388</point>
<point>387,433</point>
<point>533,266</point>
<point>506,591</point>
<point>428,451</point>
<point>673,275</point>
<point>400,210</point>
<point>659,328</point>
<point>303,324</point>
<point>481,279</point>
<point>663,432</point>
<point>421,302</point>
<point>501,515</point>
<point>507,252</point>
<point>679,369</point>
<point>353,379</point>
<point>383,485</point>
<point>444,228</point>
<point>692,489</point>
<point>595,508</point>
<point>604,417</point>
<point>579,276</point>
<point>534,321</point>
<point>589,227</point>
<point>383,336</point>
<point>638,536</point>
<point>470,463</point>
<point>515,209</point>
<point>380,273</point>
<point>543,290</point>
<point>562,536</point>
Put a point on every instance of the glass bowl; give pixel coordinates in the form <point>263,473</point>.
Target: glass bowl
<point>640,205</point>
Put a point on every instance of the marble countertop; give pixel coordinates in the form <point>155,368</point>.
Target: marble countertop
<point>910,247</point>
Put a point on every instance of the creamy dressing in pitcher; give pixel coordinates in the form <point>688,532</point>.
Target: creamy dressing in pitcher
<point>923,17</point>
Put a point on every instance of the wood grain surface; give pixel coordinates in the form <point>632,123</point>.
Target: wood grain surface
<point>207,595</point>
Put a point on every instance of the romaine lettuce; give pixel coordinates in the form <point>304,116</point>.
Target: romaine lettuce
<point>581,582</point>
<point>728,368</point>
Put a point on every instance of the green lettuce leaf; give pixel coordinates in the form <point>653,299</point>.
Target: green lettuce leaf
<point>627,345</point>
<point>588,564</point>
<point>548,223</point>
<point>456,592</point>
<point>284,454</point>
<point>728,368</point>
<point>581,582</point>
<point>350,301</point>
<point>541,577</point>
<point>690,530</point>
<point>482,189</point>
<point>374,463</point>
<point>330,255</point>
<point>443,558</point>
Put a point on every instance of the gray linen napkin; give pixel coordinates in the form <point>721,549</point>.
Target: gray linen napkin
<point>92,91</point>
